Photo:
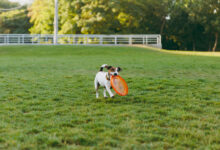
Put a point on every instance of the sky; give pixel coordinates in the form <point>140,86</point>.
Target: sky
<point>22,1</point>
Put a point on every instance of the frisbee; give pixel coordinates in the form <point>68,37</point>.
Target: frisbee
<point>119,85</point>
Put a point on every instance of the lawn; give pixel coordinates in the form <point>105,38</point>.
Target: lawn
<point>47,99</point>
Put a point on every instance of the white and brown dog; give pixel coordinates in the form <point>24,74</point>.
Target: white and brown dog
<point>103,79</point>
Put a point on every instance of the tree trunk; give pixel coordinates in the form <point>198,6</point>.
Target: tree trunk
<point>209,46</point>
<point>216,42</point>
<point>162,26</point>
<point>194,46</point>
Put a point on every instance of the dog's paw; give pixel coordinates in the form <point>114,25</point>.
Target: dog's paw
<point>106,97</point>
<point>113,96</point>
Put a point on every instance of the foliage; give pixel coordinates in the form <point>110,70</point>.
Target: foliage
<point>15,21</point>
<point>42,13</point>
<point>190,24</point>
<point>208,13</point>
<point>193,24</point>
<point>48,99</point>
<point>7,4</point>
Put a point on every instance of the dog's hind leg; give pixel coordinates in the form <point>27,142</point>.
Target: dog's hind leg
<point>96,88</point>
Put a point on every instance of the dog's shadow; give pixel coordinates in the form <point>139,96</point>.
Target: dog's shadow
<point>122,100</point>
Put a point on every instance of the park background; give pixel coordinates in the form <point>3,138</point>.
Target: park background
<point>183,24</point>
<point>47,95</point>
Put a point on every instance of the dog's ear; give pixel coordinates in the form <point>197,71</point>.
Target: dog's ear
<point>119,69</point>
<point>108,67</point>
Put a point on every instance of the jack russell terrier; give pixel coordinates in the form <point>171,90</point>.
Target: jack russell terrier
<point>103,79</point>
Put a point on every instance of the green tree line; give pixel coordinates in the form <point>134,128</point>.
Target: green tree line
<point>183,24</point>
<point>6,4</point>
<point>14,21</point>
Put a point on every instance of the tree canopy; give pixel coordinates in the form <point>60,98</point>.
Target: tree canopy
<point>183,24</point>
<point>13,21</point>
<point>7,4</point>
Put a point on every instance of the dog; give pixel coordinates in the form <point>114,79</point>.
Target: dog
<point>103,79</point>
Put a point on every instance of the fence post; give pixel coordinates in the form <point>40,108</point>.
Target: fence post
<point>159,43</point>
<point>130,40</point>
<point>73,40</point>
<point>7,41</point>
<point>100,40</point>
<point>84,40</point>
<point>115,40</point>
<point>23,39</point>
<point>146,40</point>
<point>18,39</point>
<point>38,40</point>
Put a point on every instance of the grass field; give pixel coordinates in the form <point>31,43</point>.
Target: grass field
<point>47,99</point>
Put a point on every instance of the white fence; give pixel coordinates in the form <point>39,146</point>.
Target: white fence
<point>80,39</point>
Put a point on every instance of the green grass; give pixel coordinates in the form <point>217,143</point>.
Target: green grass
<point>47,99</point>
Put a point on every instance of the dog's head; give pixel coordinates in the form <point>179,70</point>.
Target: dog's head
<point>113,71</point>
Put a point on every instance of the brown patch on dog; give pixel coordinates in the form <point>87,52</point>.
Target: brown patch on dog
<point>111,69</point>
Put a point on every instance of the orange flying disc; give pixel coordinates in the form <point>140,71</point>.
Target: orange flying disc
<point>119,85</point>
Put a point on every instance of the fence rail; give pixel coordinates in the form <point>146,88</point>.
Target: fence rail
<point>153,40</point>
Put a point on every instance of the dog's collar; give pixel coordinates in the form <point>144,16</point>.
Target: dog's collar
<point>108,76</point>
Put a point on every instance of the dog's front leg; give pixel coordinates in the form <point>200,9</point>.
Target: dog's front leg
<point>109,91</point>
<point>104,93</point>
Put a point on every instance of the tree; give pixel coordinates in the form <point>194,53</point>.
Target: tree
<point>5,4</point>
<point>208,13</point>
<point>15,21</point>
<point>194,24</point>
<point>42,16</point>
<point>94,17</point>
<point>75,16</point>
<point>184,32</point>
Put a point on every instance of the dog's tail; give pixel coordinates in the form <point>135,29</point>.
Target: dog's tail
<point>103,66</point>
